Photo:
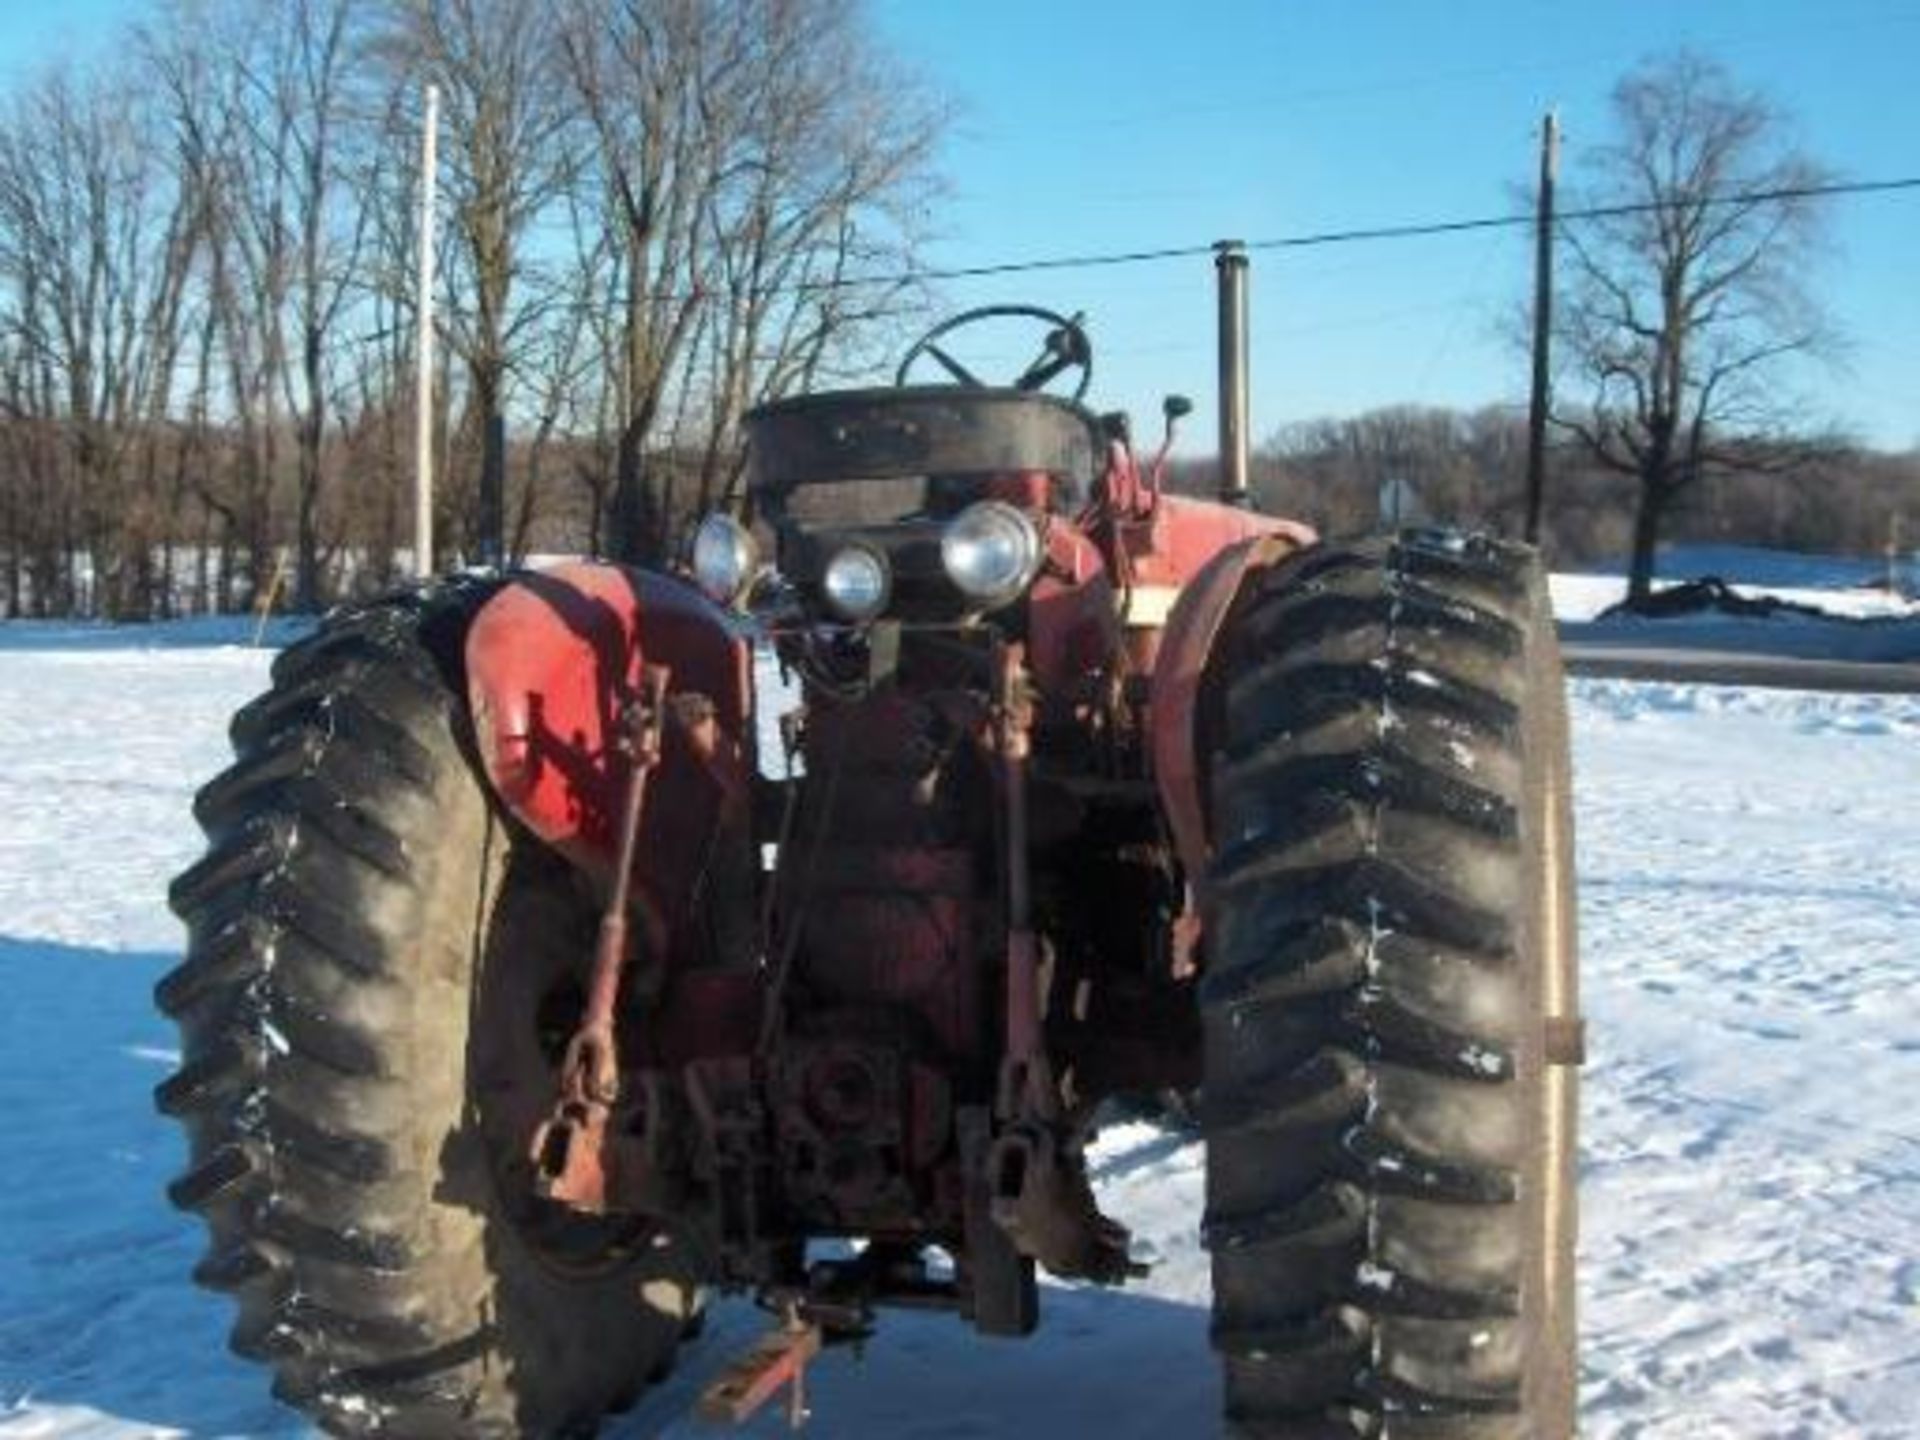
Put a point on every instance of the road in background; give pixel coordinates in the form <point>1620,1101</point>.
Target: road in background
<point>1613,660</point>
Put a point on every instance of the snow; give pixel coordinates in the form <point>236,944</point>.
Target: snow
<point>1751,1165</point>
<point>1750,898</point>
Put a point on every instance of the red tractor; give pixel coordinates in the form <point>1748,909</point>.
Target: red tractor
<point>530,997</point>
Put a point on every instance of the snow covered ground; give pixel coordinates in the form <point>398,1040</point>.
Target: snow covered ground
<point>1751,1258</point>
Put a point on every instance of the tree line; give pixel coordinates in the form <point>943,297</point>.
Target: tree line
<point>649,210</point>
<point>1469,468</point>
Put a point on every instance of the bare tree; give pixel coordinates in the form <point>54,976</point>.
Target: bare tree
<point>230,159</point>
<point>659,213</point>
<point>303,74</point>
<point>753,157</point>
<point>831,169</point>
<point>88,282</point>
<point>648,77</point>
<point>267,116</point>
<point>1683,313</point>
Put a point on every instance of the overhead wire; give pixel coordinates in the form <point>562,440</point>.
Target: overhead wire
<point>1307,240</point>
<point>1358,234</point>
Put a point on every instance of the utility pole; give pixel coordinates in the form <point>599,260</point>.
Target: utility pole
<point>1542,325</point>
<point>423,357</point>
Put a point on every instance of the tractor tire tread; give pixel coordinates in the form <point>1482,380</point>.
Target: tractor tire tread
<point>1361,999</point>
<point>303,978</point>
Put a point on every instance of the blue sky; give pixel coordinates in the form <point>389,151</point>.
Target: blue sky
<point>1085,126</point>
<point>1116,126</point>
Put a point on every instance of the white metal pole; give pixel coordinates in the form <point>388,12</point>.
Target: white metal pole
<point>423,362</point>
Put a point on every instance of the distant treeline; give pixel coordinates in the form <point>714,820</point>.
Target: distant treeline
<point>1459,467</point>
<point>1469,468</point>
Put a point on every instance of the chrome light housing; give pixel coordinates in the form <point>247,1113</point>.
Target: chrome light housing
<point>857,582</point>
<point>725,559</point>
<point>991,552</point>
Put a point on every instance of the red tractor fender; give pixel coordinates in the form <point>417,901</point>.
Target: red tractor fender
<point>1193,625</point>
<point>552,660</point>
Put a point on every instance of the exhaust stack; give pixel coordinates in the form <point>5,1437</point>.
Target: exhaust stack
<point>1230,261</point>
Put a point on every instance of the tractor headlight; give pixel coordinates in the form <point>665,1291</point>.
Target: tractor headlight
<point>990,551</point>
<point>857,582</point>
<point>725,558</point>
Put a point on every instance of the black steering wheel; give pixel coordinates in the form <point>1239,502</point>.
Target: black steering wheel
<point>1065,348</point>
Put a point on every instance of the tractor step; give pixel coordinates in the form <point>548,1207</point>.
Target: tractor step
<point>777,1361</point>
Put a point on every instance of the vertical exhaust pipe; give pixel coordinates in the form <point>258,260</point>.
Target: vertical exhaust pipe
<point>1230,263</point>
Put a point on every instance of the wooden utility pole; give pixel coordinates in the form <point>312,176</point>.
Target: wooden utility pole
<point>423,359</point>
<point>1542,325</point>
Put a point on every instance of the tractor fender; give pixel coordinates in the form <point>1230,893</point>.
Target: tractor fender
<point>1186,645</point>
<point>552,659</point>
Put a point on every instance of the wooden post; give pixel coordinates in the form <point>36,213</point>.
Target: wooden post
<point>265,606</point>
<point>1542,326</point>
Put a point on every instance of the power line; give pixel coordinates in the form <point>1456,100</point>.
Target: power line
<point>1413,231</point>
<point>1308,240</point>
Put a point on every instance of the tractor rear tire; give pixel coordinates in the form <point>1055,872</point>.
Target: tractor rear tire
<point>362,925</point>
<point>1389,1002</point>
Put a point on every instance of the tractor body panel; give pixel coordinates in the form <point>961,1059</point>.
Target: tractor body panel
<point>1185,645</point>
<point>1073,621</point>
<point>553,661</point>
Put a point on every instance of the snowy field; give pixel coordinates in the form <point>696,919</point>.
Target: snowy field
<point>1751,1257</point>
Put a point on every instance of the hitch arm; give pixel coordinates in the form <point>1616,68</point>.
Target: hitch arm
<point>1037,1187</point>
<point>569,1150</point>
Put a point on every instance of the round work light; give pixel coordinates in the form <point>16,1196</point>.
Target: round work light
<point>857,582</point>
<point>725,558</point>
<point>991,551</point>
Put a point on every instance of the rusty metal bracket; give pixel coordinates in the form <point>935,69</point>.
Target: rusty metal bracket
<point>1566,1040</point>
<point>569,1149</point>
<point>1040,1196</point>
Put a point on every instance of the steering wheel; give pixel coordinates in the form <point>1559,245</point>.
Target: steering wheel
<point>1065,348</point>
